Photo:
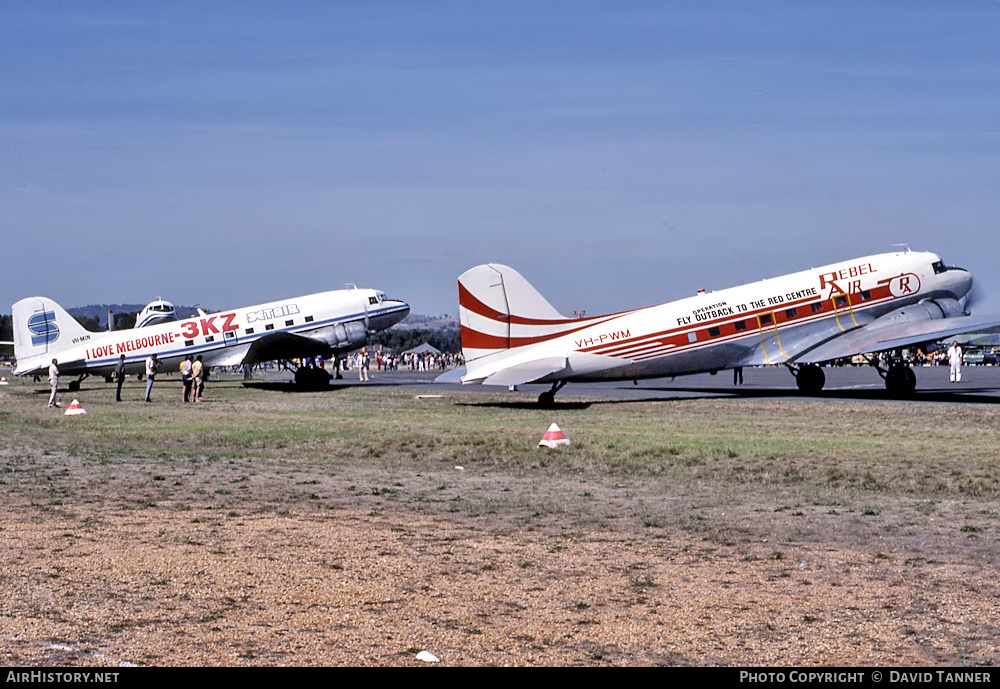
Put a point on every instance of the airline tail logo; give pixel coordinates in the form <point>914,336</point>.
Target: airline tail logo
<point>43,328</point>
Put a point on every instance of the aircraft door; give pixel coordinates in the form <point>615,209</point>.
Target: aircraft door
<point>770,339</point>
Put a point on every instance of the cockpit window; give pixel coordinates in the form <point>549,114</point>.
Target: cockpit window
<point>940,267</point>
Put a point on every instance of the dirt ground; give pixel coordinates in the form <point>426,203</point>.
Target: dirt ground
<point>269,562</point>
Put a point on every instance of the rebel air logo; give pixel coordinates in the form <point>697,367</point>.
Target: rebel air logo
<point>903,285</point>
<point>43,328</point>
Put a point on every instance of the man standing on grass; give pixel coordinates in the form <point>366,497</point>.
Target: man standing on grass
<point>151,365</point>
<point>54,383</point>
<point>120,377</point>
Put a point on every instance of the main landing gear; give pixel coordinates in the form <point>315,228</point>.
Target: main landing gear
<point>809,377</point>
<point>311,377</point>
<point>548,398</point>
<point>900,380</point>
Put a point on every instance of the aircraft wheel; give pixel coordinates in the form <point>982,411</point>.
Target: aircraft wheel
<point>547,399</point>
<point>900,380</point>
<point>312,378</point>
<point>810,379</point>
<point>74,386</point>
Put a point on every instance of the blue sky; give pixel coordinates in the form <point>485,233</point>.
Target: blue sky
<point>616,154</point>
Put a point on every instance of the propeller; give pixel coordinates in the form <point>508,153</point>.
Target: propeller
<point>973,296</point>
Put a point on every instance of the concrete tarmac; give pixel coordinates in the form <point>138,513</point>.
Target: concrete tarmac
<point>979,384</point>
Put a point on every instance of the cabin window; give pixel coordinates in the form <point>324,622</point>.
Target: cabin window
<point>866,295</point>
<point>840,301</point>
<point>713,332</point>
<point>210,338</point>
<point>766,319</point>
<point>248,331</point>
<point>740,326</point>
<point>817,307</point>
<point>269,326</point>
<point>791,313</point>
<point>309,319</point>
<point>289,323</point>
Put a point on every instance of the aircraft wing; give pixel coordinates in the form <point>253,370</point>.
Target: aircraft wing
<point>284,345</point>
<point>876,337</point>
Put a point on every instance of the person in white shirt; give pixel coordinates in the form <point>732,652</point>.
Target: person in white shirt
<point>54,383</point>
<point>955,359</point>
<point>152,363</point>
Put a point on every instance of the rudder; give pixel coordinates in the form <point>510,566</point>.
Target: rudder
<point>500,310</point>
<point>42,329</point>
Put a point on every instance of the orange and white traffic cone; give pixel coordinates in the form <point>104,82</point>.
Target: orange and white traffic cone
<point>554,437</point>
<point>75,408</point>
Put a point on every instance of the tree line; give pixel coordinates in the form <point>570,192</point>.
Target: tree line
<point>402,340</point>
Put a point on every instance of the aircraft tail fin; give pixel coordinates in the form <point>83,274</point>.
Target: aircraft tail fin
<point>500,310</point>
<point>42,329</point>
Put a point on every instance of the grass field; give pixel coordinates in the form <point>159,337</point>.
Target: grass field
<point>916,482</point>
<point>927,451</point>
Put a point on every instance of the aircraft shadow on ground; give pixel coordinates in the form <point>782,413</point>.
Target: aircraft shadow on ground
<point>965,396</point>
<point>334,386</point>
<point>979,395</point>
<point>527,404</point>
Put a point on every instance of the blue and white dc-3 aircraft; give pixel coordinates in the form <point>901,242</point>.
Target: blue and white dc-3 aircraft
<point>324,324</point>
<point>512,335</point>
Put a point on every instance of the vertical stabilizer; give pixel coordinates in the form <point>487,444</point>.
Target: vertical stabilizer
<point>499,310</point>
<point>42,329</point>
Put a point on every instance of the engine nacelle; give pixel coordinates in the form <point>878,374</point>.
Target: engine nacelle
<point>343,337</point>
<point>926,310</point>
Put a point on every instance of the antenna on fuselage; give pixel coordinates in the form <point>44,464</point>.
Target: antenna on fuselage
<point>906,247</point>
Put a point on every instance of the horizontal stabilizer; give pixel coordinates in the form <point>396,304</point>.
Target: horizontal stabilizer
<point>527,372</point>
<point>455,375</point>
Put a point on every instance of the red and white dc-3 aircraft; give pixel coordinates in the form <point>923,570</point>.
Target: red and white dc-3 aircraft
<point>512,335</point>
<point>324,324</point>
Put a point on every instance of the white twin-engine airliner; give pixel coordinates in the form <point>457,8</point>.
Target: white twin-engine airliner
<point>324,324</point>
<point>512,335</point>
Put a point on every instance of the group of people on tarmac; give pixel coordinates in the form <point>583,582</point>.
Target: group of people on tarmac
<point>193,374</point>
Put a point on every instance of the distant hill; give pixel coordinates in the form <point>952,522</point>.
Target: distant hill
<point>416,321</point>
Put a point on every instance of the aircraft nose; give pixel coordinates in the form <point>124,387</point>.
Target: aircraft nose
<point>390,312</point>
<point>959,282</point>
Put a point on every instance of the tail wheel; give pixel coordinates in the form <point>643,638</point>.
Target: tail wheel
<point>810,379</point>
